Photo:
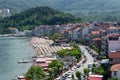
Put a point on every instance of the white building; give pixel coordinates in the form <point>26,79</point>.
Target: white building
<point>87,29</point>
<point>115,71</point>
<point>113,42</point>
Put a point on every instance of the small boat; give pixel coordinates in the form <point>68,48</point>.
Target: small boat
<point>23,61</point>
<point>21,77</point>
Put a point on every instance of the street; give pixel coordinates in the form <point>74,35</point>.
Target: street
<point>88,57</point>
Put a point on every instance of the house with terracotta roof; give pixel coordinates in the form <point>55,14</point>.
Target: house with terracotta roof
<point>113,30</point>
<point>115,71</point>
<point>95,34</point>
<point>97,42</point>
<point>43,62</point>
<point>115,57</point>
<point>95,77</point>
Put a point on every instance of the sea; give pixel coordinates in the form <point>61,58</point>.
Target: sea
<point>13,49</point>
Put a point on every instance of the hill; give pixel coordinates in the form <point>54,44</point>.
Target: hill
<point>30,18</point>
<point>89,10</point>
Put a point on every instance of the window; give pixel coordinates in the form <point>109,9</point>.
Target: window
<point>115,73</point>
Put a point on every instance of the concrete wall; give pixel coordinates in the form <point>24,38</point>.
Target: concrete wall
<point>85,31</point>
<point>117,74</point>
<point>113,45</point>
<point>115,61</point>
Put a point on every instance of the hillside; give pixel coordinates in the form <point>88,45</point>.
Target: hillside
<point>30,18</point>
<point>89,10</point>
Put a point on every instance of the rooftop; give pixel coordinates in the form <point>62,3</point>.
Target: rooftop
<point>95,77</point>
<point>95,32</point>
<point>112,27</point>
<point>115,54</point>
<point>115,67</point>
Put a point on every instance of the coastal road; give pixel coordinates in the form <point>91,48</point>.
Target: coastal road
<point>89,59</point>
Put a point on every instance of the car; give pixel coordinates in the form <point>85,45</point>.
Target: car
<point>90,73</point>
<point>90,65</point>
<point>78,66</point>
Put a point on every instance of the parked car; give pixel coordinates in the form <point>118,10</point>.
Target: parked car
<point>90,65</point>
<point>78,66</point>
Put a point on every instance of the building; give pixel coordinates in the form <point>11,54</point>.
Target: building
<point>115,71</point>
<point>113,30</point>
<point>95,77</point>
<point>43,62</point>
<point>115,57</point>
<point>14,30</point>
<point>95,34</point>
<point>97,42</point>
<point>113,42</point>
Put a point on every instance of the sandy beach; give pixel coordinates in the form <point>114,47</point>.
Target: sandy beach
<point>43,46</point>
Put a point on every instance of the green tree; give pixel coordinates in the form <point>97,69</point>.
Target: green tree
<point>63,52</point>
<point>55,68</point>
<point>78,75</point>
<point>94,48</point>
<point>55,36</point>
<point>99,70</point>
<point>86,71</point>
<point>73,77</point>
<point>35,73</point>
<point>112,79</point>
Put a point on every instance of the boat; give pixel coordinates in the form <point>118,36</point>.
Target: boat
<point>23,61</point>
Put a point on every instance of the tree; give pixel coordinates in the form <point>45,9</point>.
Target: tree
<point>94,48</point>
<point>73,77</point>
<point>35,73</point>
<point>78,75</point>
<point>99,70</point>
<point>63,52</point>
<point>112,79</point>
<point>86,71</point>
<point>55,36</point>
<point>55,68</point>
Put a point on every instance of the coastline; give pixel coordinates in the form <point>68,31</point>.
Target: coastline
<point>12,49</point>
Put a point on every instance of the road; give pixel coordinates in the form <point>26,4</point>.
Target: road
<point>83,65</point>
<point>88,57</point>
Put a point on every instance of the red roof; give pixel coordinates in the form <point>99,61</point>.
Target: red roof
<point>115,54</point>
<point>115,67</point>
<point>42,64</point>
<point>95,77</point>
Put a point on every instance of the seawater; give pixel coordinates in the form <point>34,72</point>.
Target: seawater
<point>13,49</point>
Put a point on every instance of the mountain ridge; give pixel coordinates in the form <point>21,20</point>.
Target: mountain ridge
<point>79,8</point>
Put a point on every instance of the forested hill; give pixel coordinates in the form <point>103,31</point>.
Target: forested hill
<point>34,17</point>
<point>105,10</point>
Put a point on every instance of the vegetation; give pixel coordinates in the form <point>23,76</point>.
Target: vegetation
<point>89,10</point>
<point>103,57</point>
<point>86,71</point>
<point>76,51</point>
<point>34,17</point>
<point>94,48</point>
<point>35,73</point>
<point>102,70</point>
<point>73,77</point>
<point>55,36</point>
<point>78,75</point>
<point>55,68</point>
<point>112,79</point>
